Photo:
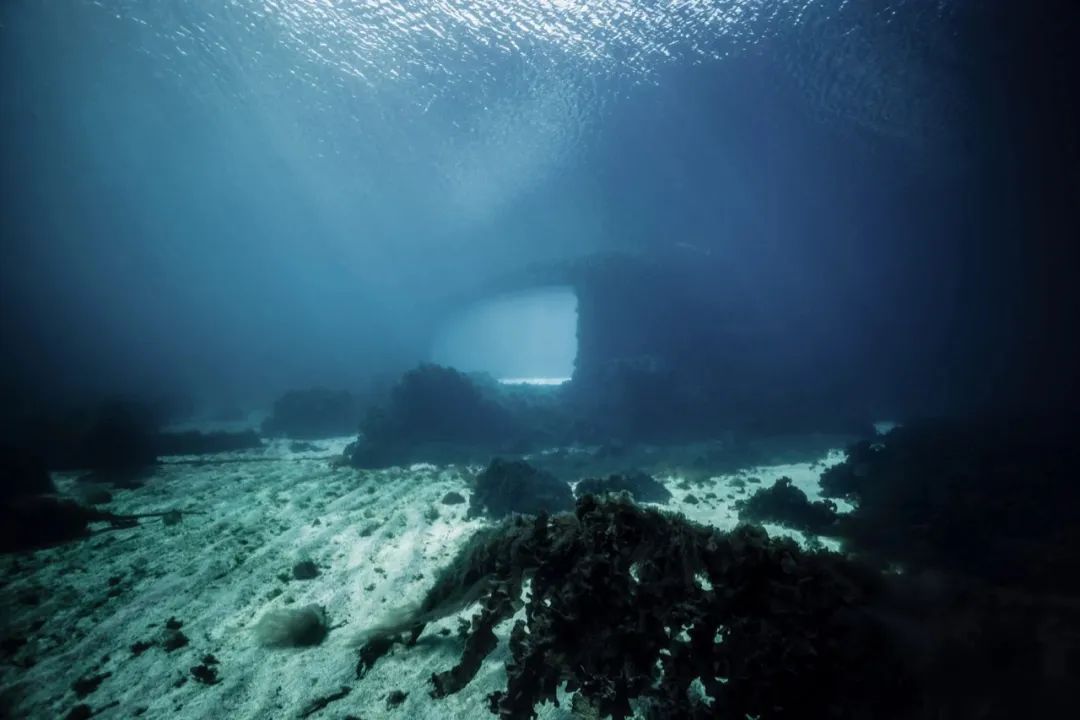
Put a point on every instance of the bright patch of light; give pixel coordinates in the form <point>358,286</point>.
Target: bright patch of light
<point>884,427</point>
<point>534,381</point>
<point>525,338</point>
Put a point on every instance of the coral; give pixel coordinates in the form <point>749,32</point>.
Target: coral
<point>514,486</point>
<point>785,504</point>
<point>299,627</point>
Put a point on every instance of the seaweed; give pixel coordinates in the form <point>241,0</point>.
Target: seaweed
<point>633,605</point>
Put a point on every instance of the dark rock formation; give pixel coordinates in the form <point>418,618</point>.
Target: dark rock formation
<point>205,672</point>
<point>437,404</point>
<point>305,570</point>
<point>642,486</point>
<point>437,414</point>
<point>119,439</point>
<point>115,440</point>
<point>514,486</point>
<point>671,349</point>
<point>994,498</point>
<point>38,521</point>
<point>22,473</point>
<point>453,498</point>
<point>41,521</point>
<point>118,442</point>
<point>314,413</point>
<point>194,442</point>
<point>86,685</point>
<point>395,698</point>
<point>785,504</point>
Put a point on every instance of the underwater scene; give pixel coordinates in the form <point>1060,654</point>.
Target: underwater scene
<point>557,359</point>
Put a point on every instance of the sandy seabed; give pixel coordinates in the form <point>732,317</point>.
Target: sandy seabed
<point>100,609</point>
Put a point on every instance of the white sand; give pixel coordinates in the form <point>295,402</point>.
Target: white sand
<point>372,534</point>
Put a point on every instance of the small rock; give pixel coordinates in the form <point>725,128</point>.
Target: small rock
<point>305,570</point>
<point>96,496</point>
<point>204,673</point>
<point>11,645</point>
<point>395,698</point>
<point>453,498</point>
<point>80,712</point>
<point>174,640</point>
<point>140,647</point>
<point>86,685</point>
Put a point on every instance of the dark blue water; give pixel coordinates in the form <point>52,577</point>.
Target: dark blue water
<point>300,300</point>
<point>200,193</point>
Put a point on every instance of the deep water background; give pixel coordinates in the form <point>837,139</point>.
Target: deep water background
<point>230,199</point>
